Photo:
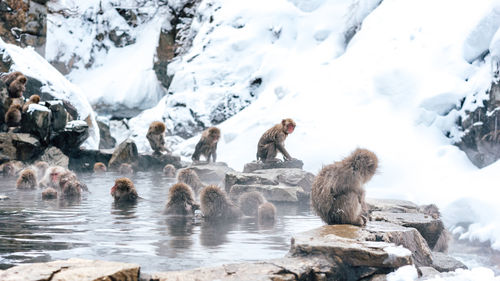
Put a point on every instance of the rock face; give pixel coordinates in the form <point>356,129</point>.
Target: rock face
<point>26,147</point>
<point>72,269</point>
<point>157,162</point>
<point>73,135</point>
<point>106,141</point>
<point>37,122</point>
<point>84,160</point>
<point>282,185</point>
<point>54,156</point>
<point>252,166</point>
<point>211,172</point>
<point>126,152</point>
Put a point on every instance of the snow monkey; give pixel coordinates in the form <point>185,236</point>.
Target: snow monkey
<point>125,169</point>
<point>337,193</point>
<point>34,99</point>
<point>190,177</point>
<point>215,205</point>
<point>180,200</point>
<point>40,168</point>
<point>273,140</point>
<point>249,202</point>
<point>169,171</point>
<point>207,145</point>
<point>13,115</point>
<point>155,137</point>
<point>52,177</point>
<point>27,179</point>
<point>124,191</point>
<point>15,82</point>
<point>266,213</point>
<point>49,193</point>
<point>99,168</point>
<point>11,168</point>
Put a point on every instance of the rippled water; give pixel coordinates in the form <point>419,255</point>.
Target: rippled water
<point>36,230</point>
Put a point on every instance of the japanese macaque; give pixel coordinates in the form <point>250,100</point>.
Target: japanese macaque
<point>180,200</point>
<point>337,193</point>
<point>207,145</point>
<point>13,116</point>
<point>249,202</point>
<point>189,177</point>
<point>72,189</point>
<point>49,193</point>
<point>273,141</point>
<point>99,168</point>
<point>52,177</point>
<point>34,99</point>
<point>215,204</point>
<point>156,137</point>
<point>169,171</point>
<point>125,169</point>
<point>40,168</point>
<point>15,82</point>
<point>66,177</point>
<point>11,168</point>
<point>266,213</point>
<point>124,191</point>
<point>27,179</point>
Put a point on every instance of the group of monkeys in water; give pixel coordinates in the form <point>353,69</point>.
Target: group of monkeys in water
<point>337,193</point>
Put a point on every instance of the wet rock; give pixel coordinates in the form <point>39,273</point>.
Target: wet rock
<point>391,205</point>
<point>73,135</point>
<point>59,116</point>
<point>72,269</point>
<point>27,147</point>
<point>426,272</point>
<point>429,227</point>
<point>444,263</point>
<point>211,172</point>
<point>126,152</point>
<point>7,149</point>
<point>157,162</point>
<point>292,177</point>
<point>54,156</point>
<point>84,160</point>
<point>106,140</point>
<point>252,166</point>
<point>275,193</point>
<point>36,121</point>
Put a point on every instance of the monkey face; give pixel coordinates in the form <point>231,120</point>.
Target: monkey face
<point>54,176</point>
<point>290,127</point>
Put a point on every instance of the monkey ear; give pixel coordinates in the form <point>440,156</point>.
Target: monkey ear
<point>283,122</point>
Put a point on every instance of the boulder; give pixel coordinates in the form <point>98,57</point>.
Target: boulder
<point>27,147</point>
<point>211,172</point>
<point>73,135</point>
<point>59,116</point>
<point>106,141</point>
<point>292,177</point>
<point>83,160</point>
<point>391,205</point>
<point>275,193</point>
<point>7,149</point>
<point>426,272</point>
<point>72,269</point>
<point>126,152</point>
<point>36,121</point>
<point>54,156</point>
<point>157,162</point>
<point>258,165</point>
<point>444,263</point>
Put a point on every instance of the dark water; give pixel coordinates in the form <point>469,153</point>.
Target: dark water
<point>36,230</point>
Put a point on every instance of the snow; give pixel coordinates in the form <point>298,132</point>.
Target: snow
<point>404,273</point>
<point>36,107</point>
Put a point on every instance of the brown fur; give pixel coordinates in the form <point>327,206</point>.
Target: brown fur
<point>99,168</point>
<point>72,189</point>
<point>442,242</point>
<point>189,177</point>
<point>249,202</point>
<point>34,99</point>
<point>180,200</point>
<point>125,169</point>
<point>11,168</point>
<point>273,141</point>
<point>17,87</point>
<point>156,137</point>
<point>207,145</point>
<point>49,193</point>
<point>215,204</point>
<point>8,78</point>
<point>337,194</point>
<point>124,191</point>
<point>27,179</point>
<point>52,177</point>
<point>66,177</point>
<point>169,171</point>
<point>13,116</point>
<point>41,168</point>
<point>266,213</point>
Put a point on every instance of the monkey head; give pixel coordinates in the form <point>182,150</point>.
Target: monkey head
<point>99,167</point>
<point>364,162</point>
<point>158,127</point>
<point>214,134</point>
<point>288,125</point>
<point>124,190</point>
<point>35,99</point>
<point>22,79</point>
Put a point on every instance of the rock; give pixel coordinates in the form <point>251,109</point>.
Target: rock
<point>73,135</point>
<point>4,197</point>
<point>59,116</point>
<point>54,156</point>
<point>157,162</point>
<point>292,177</point>
<point>72,269</point>
<point>428,227</point>
<point>126,152</point>
<point>211,172</point>
<point>83,160</point>
<point>275,193</point>
<point>27,147</point>
<point>370,246</point>
<point>444,263</point>
<point>426,272</point>
<point>252,166</point>
<point>7,149</point>
<point>36,121</point>
<point>106,140</point>
<point>391,205</point>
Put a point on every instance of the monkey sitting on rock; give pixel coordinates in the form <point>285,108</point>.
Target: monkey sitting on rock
<point>34,99</point>
<point>155,137</point>
<point>273,141</point>
<point>337,193</point>
<point>207,145</point>
<point>15,82</point>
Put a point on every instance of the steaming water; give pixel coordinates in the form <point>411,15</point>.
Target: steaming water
<point>36,230</point>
